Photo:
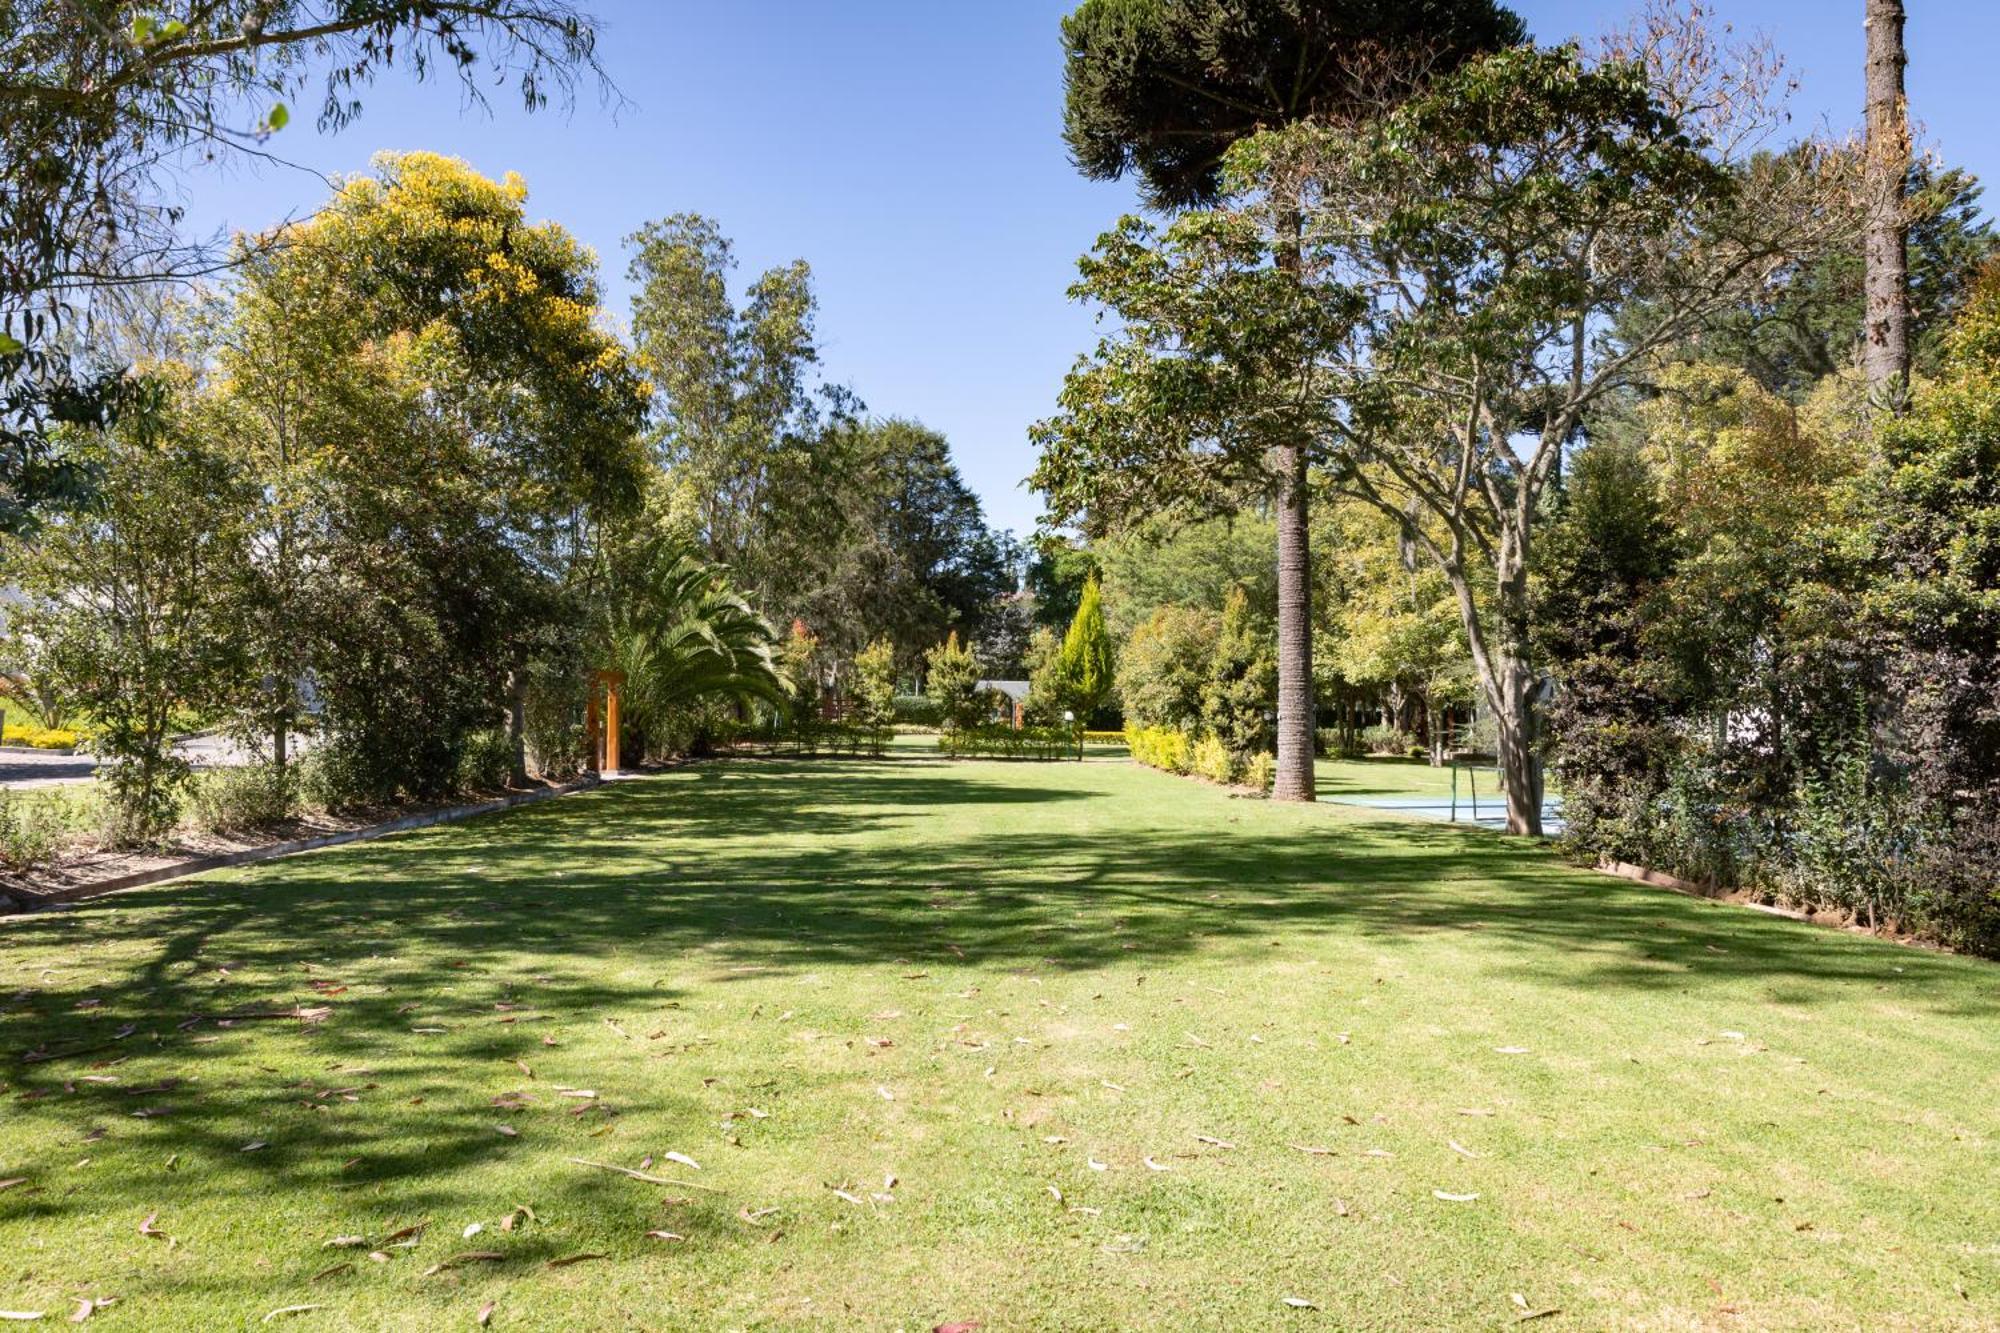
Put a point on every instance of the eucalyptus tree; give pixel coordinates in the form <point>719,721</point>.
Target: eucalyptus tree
<point>1161,89</point>
<point>737,414</point>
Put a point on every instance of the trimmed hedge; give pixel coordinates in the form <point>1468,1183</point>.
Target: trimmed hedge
<point>996,742</point>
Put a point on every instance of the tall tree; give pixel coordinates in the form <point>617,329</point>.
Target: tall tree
<point>424,390</point>
<point>736,414</point>
<point>1886,349</point>
<point>103,105</point>
<point>1163,88</point>
<point>1499,222</point>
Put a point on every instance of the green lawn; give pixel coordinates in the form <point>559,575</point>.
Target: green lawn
<point>902,1013</point>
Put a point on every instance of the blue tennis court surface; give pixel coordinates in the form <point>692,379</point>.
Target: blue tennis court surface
<point>1491,810</point>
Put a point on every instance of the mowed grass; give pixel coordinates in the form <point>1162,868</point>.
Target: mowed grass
<point>1039,1045</point>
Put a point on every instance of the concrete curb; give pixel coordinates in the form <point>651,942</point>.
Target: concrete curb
<point>32,899</point>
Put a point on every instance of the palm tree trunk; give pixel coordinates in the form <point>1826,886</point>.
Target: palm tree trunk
<point>1294,779</point>
<point>1295,675</point>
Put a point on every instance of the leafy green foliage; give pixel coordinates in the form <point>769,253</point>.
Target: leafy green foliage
<point>1161,88</point>
<point>875,685</point>
<point>686,642</point>
<point>126,599</point>
<point>1085,659</point>
<point>100,109</point>
<point>1163,668</point>
<point>1241,692</point>
<point>952,682</point>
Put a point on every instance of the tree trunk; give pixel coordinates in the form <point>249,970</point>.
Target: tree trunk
<point>517,727</point>
<point>1885,352</point>
<point>1515,695</point>
<point>1508,681</point>
<point>1295,675</point>
<point>1294,780</point>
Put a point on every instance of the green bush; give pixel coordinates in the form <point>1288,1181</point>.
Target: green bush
<point>34,827</point>
<point>1388,740</point>
<point>485,762</point>
<point>917,710</point>
<point>227,800</point>
<point>816,736</point>
<point>1261,772</point>
<point>998,742</point>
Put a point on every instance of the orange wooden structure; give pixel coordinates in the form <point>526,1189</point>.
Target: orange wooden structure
<point>600,721</point>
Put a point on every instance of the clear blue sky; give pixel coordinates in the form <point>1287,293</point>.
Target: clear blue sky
<point>910,150</point>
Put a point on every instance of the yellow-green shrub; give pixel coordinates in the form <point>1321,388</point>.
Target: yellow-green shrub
<point>1159,747</point>
<point>1105,737</point>
<point>1260,772</point>
<point>41,738</point>
<point>1213,761</point>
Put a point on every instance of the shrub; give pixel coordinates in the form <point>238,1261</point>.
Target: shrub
<point>43,738</point>
<point>1164,665</point>
<point>953,683</point>
<point>1105,737</point>
<point>875,685</point>
<point>34,827</point>
<point>485,761</point>
<point>227,800</point>
<point>1387,740</point>
<point>1160,747</point>
<point>1260,772</point>
<point>1212,760</point>
<point>814,736</point>
<point>917,710</point>
<point>998,742</point>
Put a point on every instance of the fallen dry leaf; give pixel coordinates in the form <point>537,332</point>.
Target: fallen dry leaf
<point>665,1235</point>
<point>149,1230</point>
<point>86,1308</point>
<point>1152,1165</point>
<point>469,1257</point>
<point>485,1315</point>
<point>289,1309</point>
<point>683,1159</point>
<point>1300,1303</point>
<point>1453,1198</point>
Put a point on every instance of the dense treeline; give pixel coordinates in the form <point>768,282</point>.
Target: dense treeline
<point>391,493</point>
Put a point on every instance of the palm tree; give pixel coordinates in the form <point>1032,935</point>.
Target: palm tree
<point>684,638</point>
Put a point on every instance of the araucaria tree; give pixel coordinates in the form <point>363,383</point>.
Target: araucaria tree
<point>1493,227</point>
<point>1162,89</point>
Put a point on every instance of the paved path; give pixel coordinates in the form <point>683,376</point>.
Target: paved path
<point>42,768</point>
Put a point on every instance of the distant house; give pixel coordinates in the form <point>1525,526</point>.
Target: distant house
<point>1013,697</point>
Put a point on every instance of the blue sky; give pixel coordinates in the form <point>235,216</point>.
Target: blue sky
<point>911,151</point>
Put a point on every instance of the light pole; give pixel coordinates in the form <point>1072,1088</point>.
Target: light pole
<point>1069,717</point>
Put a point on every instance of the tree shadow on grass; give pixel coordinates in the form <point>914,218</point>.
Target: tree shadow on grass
<point>804,864</point>
<point>478,928</point>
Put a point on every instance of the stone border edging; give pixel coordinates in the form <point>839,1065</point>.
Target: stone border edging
<point>32,899</point>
